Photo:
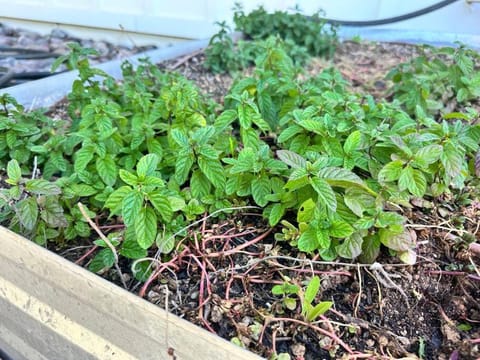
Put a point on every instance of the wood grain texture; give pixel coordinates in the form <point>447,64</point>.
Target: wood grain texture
<point>62,311</point>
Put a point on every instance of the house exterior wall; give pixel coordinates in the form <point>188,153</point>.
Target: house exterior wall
<point>194,19</point>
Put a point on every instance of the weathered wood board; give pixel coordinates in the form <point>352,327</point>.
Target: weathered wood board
<point>52,309</point>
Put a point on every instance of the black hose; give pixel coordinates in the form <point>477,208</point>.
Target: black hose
<point>4,355</point>
<point>394,19</point>
<point>25,54</point>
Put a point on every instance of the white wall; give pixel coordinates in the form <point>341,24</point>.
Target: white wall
<point>195,18</point>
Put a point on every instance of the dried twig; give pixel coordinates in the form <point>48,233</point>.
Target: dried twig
<point>106,240</point>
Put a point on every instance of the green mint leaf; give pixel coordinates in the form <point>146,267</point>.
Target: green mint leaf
<point>14,172</point>
<point>147,165</point>
<point>292,159</point>
<point>276,214</point>
<point>42,187</point>
<point>83,158</point>
<point>103,260</point>
<point>351,247</point>
<point>199,185</point>
<point>183,165</point>
<point>107,169</point>
<point>127,177</point>
<point>429,154</point>
<point>319,309</point>
<point>391,171</point>
<point>396,240</point>
<point>307,242</point>
<point>340,229</point>
<point>312,290</point>
<point>146,227</point>
<point>325,193</point>
<point>115,199</point>
<point>352,142</point>
<point>213,170</point>
<point>27,212</point>
<point>162,204</point>
<point>180,138</point>
<point>260,188</point>
<point>131,205</point>
<point>52,213</point>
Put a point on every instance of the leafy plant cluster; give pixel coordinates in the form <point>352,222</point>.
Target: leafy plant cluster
<point>330,166</point>
<point>437,80</point>
<point>299,37</point>
<point>312,33</point>
<point>223,55</point>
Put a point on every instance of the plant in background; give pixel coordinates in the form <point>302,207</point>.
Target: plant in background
<point>437,79</point>
<point>312,33</point>
<point>221,55</point>
<point>31,206</point>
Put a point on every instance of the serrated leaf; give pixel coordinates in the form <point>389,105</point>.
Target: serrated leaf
<point>370,249</point>
<point>260,188</point>
<point>81,190</point>
<point>199,185</point>
<point>14,172</point>
<point>399,241</point>
<point>351,247</point>
<point>325,193</point>
<point>340,229</point>
<point>131,205</point>
<point>27,212</point>
<point>180,138</point>
<point>103,260</point>
<point>146,227</point>
<point>344,178</point>
<point>225,119</point>
<point>132,250</point>
<point>213,170</point>
<point>165,243</point>
<point>452,161</point>
<point>42,187</point>
<point>276,214</point>
<point>292,159</point>
<point>352,142</point>
<point>289,132</point>
<point>388,218</point>
<point>162,204</point>
<point>147,165</point>
<point>52,213</point>
<point>306,211</point>
<point>406,178</point>
<point>107,169</point>
<point>358,201</point>
<point>307,242</point>
<point>83,158</point>
<point>127,177</point>
<point>182,167</point>
<point>429,154</point>
<point>419,184</point>
<point>391,171</point>
<point>115,199</point>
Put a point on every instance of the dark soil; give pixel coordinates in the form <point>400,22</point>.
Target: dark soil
<point>430,310</point>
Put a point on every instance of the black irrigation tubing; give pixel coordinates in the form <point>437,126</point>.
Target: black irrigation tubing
<point>25,54</point>
<point>4,355</point>
<point>394,19</point>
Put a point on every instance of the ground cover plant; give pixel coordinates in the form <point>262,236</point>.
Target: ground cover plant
<point>326,174</point>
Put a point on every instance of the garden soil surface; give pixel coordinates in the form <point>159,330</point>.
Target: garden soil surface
<point>430,310</point>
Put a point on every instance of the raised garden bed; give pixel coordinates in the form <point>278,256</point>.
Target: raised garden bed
<point>216,261</point>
